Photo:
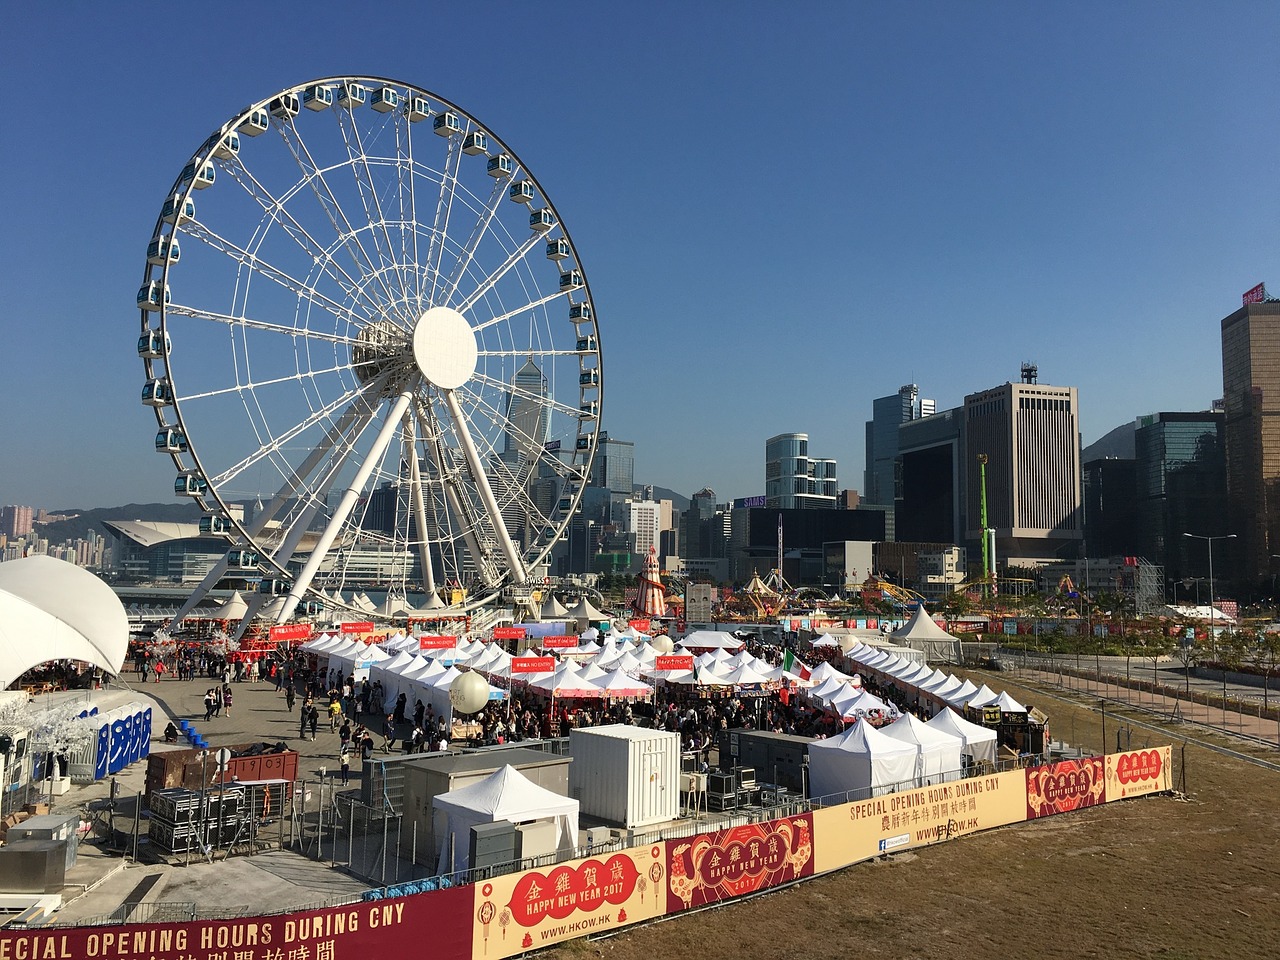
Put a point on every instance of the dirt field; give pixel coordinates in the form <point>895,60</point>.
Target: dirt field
<point>1160,877</point>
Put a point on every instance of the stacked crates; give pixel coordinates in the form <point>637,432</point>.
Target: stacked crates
<point>184,819</point>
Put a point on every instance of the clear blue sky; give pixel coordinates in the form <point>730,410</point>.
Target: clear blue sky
<point>784,210</point>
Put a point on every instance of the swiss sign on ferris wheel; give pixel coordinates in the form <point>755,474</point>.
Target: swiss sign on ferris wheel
<point>362,316</point>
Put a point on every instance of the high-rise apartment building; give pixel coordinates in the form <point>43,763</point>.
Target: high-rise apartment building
<point>1030,435</point>
<point>887,415</point>
<point>16,521</point>
<point>1251,430</point>
<point>795,481</point>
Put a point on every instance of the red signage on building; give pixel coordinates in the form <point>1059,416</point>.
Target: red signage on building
<point>532,664</point>
<point>437,643</point>
<point>674,662</point>
<point>560,642</point>
<point>290,631</point>
<point>1257,294</point>
<point>641,625</point>
<point>359,626</point>
<point>508,633</point>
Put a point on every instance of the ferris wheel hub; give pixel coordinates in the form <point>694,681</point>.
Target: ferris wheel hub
<point>444,346</point>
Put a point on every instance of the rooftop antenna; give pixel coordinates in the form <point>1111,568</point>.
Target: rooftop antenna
<point>1030,373</point>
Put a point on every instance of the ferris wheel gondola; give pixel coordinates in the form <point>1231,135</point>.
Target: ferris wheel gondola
<point>380,330</point>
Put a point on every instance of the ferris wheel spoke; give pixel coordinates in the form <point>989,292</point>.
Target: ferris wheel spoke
<point>444,207</point>
<point>363,398</point>
<point>337,521</point>
<point>314,176</point>
<point>532,305</point>
<point>488,282</point>
<point>260,384</point>
<point>514,353</point>
<point>368,191</point>
<point>277,211</point>
<point>406,182</point>
<point>468,252</point>
<point>463,432</point>
<point>553,405</point>
<point>249,323</point>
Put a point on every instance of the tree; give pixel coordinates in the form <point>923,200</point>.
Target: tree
<point>1265,658</point>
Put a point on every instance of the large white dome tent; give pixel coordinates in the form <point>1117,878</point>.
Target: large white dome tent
<point>54,610</point>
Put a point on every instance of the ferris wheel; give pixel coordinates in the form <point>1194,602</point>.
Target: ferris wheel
<point>370,347</point>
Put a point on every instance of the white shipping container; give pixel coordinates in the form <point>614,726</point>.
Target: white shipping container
<point>625,775</point>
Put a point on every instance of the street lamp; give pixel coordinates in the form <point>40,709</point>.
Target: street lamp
<point>1212,635</point>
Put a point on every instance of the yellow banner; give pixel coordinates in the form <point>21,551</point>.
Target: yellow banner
<point>859,831</point>
<point>1138,773</point>
<point>526,911</point>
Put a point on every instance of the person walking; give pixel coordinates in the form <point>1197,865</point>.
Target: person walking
<point>344,758</point>
<point>289,699</point>
<point>313,720</point>
<point>388,733</point>
<point>226,698</point>
<point>159,670</point>
<point>303,716</point>
<point>217,701</point>
<point>335,713</point>
<point>209,701</point>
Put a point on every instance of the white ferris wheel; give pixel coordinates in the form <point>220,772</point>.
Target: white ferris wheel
<point>370,348</point>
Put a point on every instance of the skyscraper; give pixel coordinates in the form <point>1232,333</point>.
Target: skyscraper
<point>1181,485</point>
<point>614,466</point>
<point>887,414</point>
<point>1251,397</point>
<point>793,479</point>
<point>1030,434</point>
<point>528,423</point>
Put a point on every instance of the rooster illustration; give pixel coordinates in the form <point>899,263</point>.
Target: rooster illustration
<point>796,859</point>
<point>683,885</point>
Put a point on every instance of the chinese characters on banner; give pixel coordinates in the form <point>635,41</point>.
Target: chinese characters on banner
<point>523,911</point>
<point>1065,786</point>
<point>711,867</point>
<point>867,828</point>
<point>1138,772</point>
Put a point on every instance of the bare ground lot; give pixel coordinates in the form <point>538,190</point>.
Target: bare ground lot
<point>1160,877</point>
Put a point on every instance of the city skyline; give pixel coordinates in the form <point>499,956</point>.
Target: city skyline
<point>858,197</point>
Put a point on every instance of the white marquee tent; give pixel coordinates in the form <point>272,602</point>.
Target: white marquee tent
<point>938,752</point>
<point>979,742</point>
<point>506,795</point>
<point>862,762</point>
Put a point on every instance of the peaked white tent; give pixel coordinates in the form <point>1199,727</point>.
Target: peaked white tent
<point>938,752</point>
<point>701,640</point>
<point>921,626</point>
<point>978,742</point>
<point>862,762</point>
<point>508,795</point>
<point>1007,704</point>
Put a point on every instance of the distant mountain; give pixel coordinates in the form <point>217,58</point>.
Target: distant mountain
<point>79,526</point>
<point>1118,444</point>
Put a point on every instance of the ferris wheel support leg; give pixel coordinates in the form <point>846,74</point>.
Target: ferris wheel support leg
<point>254,604</point>
<point>343,511</point>
<point>460,510</point>
<point>216,573</point>
<point>419,506</point>
<point>514,561</point>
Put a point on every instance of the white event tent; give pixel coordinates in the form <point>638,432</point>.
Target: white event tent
<point>505,794</point>
<point>937,752</point>
<point>979,742</point>
<point>862,762</point>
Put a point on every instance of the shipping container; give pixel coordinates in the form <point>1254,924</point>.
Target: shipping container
<point>625,775</point>
<point>191,769</point>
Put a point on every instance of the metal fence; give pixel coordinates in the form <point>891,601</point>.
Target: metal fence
<point>1139,686</point>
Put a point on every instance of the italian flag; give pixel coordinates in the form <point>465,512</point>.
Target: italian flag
<point>792,665</point>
